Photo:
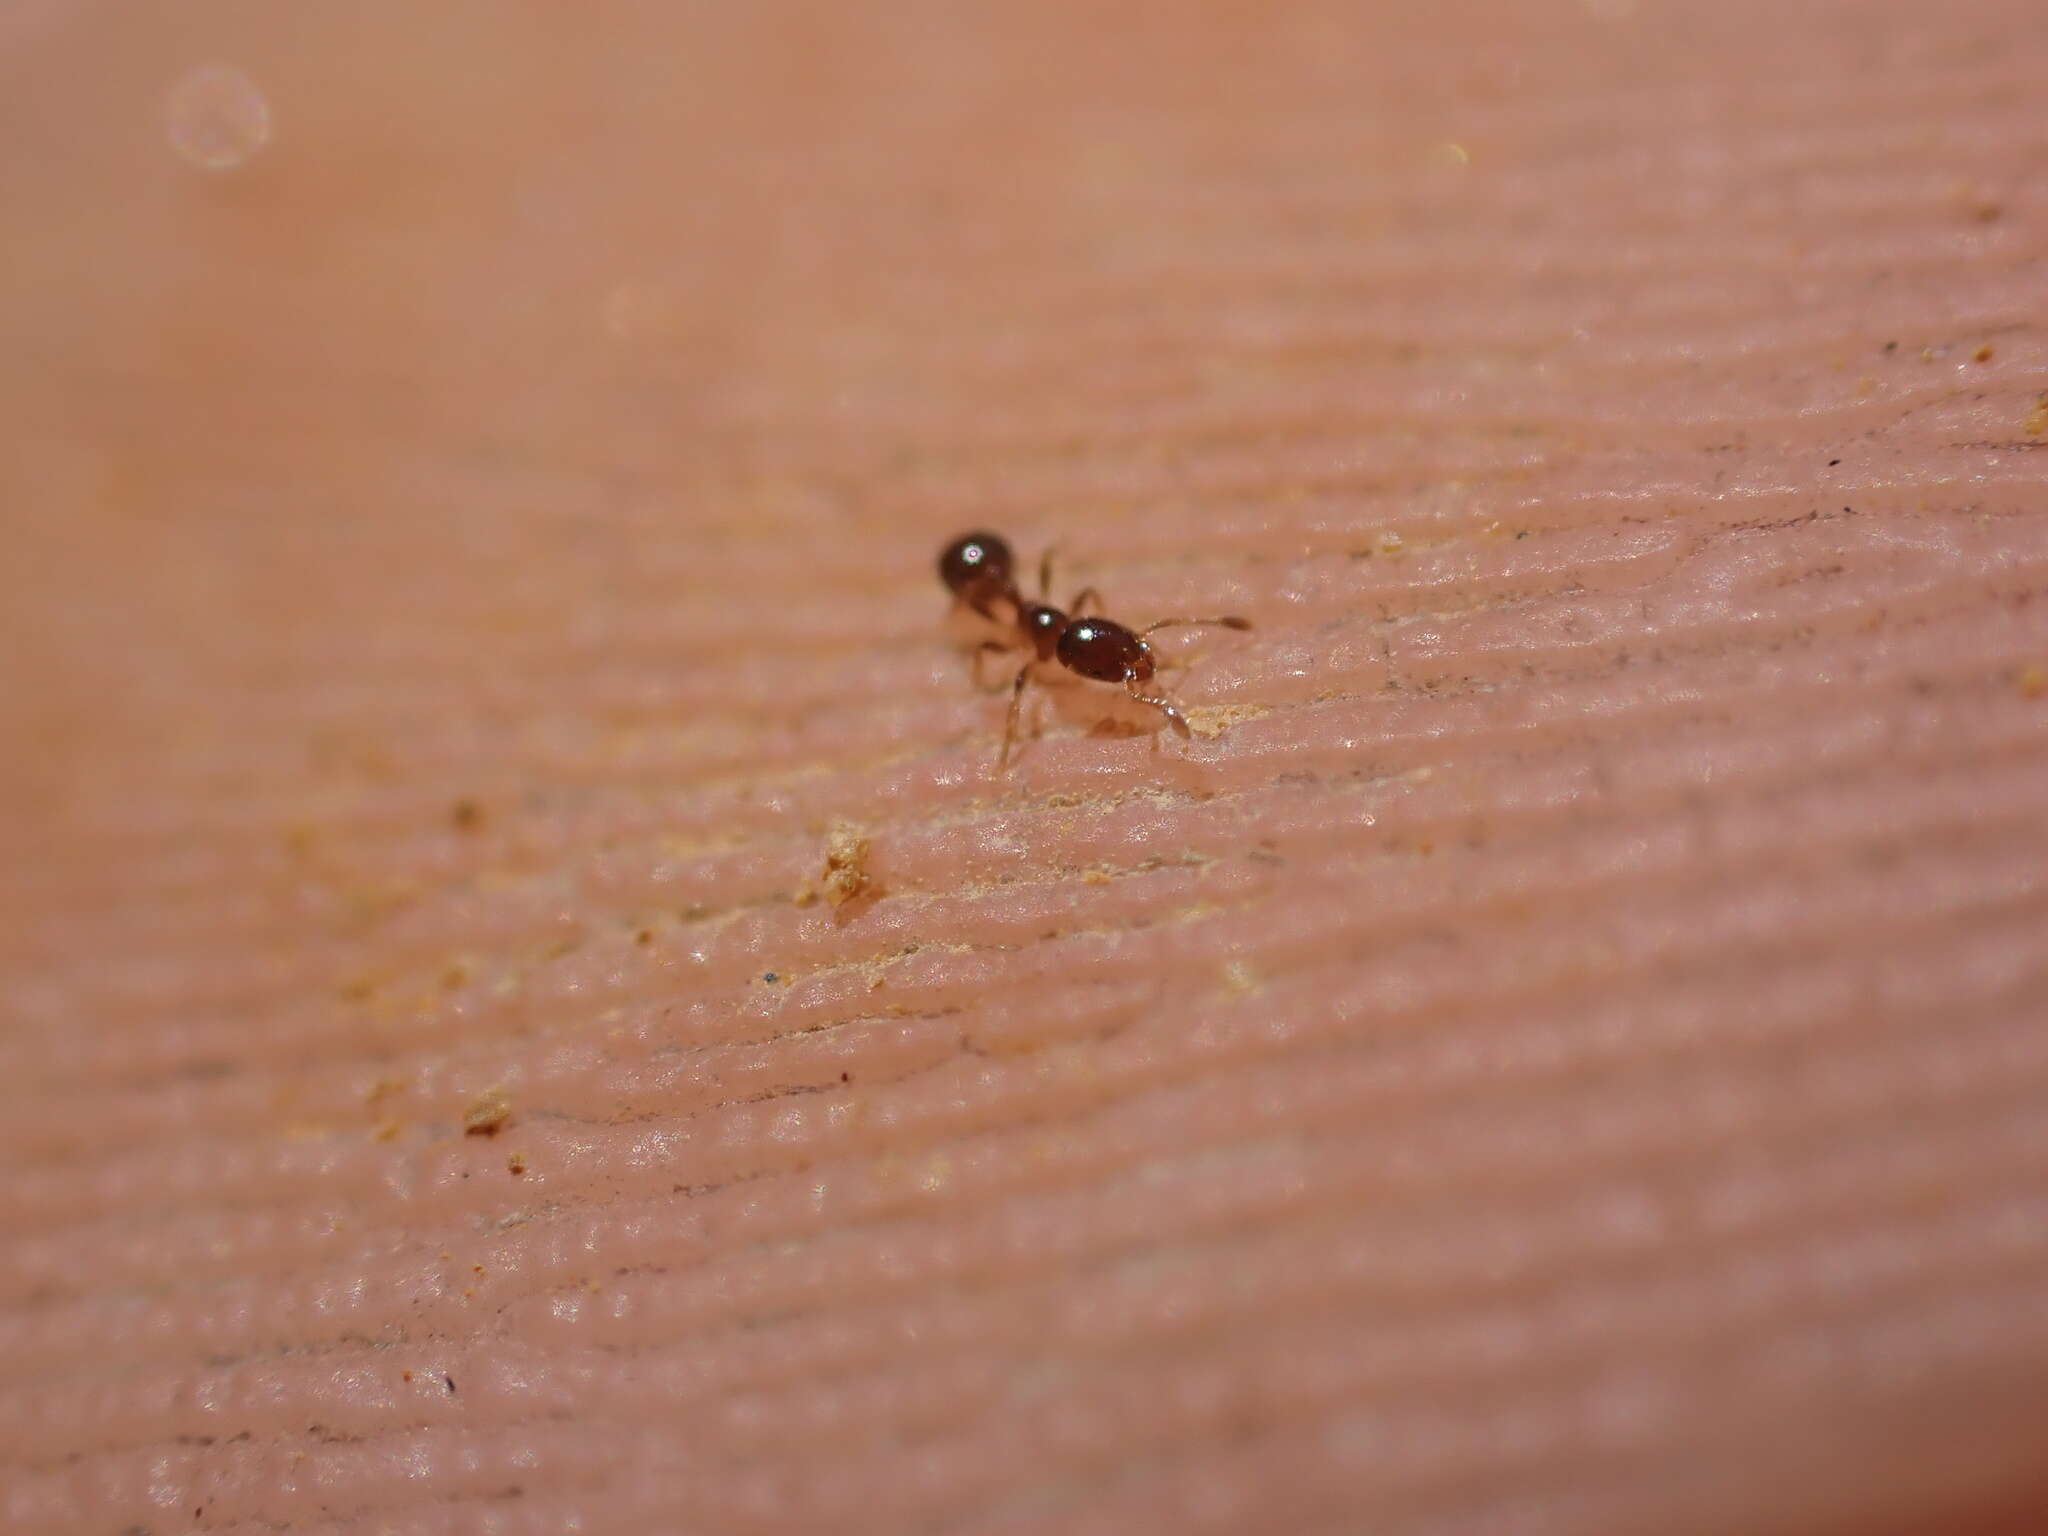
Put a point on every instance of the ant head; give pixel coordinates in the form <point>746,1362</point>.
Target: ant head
<point>975,562</point>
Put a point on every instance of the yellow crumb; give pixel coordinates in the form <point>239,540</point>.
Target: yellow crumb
<point>1212,720</point>
<point>487,1114</point>
<point>2032,680</point>
<point>1985,353</point>
<point>846,864</point>
<point>2037,419</point>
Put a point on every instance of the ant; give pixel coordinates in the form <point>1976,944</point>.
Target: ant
<point>979,570</point>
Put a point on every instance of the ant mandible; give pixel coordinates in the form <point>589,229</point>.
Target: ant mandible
<point>980,572</point>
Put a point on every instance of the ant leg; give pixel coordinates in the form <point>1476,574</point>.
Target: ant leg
<point>1083,598</point>
<point>974,667</point>
<point>1045,574</point>
<point>982,597</point>
<point>1227,621</point>
<point>1166,707</point>
<point>1016,708</point>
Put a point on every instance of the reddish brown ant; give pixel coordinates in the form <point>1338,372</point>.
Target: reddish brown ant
<point>980,572</point>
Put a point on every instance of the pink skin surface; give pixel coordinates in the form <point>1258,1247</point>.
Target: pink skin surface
<point>1563,1049</point>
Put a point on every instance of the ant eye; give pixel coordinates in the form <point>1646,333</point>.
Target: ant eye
<point>975,559</point>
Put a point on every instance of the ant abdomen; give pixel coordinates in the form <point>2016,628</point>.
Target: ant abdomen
<point>1104,650</point>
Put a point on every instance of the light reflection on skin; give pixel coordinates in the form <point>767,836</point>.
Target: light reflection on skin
<point>217,118</point>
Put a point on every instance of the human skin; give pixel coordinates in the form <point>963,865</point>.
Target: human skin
<point>1561,1050</point>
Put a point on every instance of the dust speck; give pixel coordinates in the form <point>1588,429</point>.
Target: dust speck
<point>384,1088</point>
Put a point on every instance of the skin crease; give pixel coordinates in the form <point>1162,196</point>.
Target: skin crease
<point>529,1006</point>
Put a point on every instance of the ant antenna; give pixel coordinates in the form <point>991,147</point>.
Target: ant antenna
<point>1226,621</point>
